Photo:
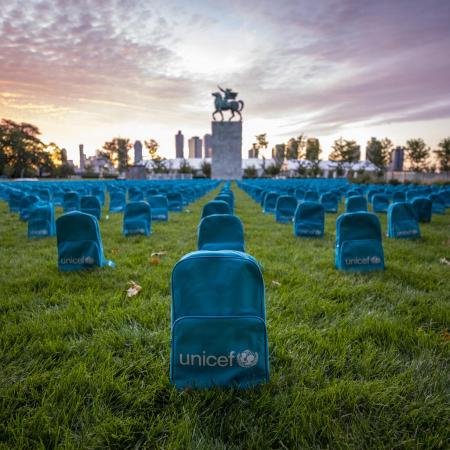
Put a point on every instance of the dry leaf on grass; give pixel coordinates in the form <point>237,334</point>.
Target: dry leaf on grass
<point>134,289</point>
<point>446,335</point>
<point>155,257</point>
<point>276,283</point>
<point>444,261</point>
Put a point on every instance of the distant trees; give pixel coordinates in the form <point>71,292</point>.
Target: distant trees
<point>378,152</point>
<point>261,142</point>
<point>117,151</point>
<point>345,151</point>
<point>417,153</point>
<point>313,150</point>
<point>443,155</point>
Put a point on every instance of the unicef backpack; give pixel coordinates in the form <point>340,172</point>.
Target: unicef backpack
<point>402,221</point>
<point>90,204</point>
<point>26,206</point>
<point>423,208</point>
<point>42,221</point>
<point>329,202</point>
<point>216,207</point>
<point>221,232</point>
<point>358,242</point>
<point>380,203</point>
<point>219,333</point>
<point>285,208</point>
<point>79,242</point>
<point>71,201</point>
<point>309,219</point>
<point>137,219</point>
<point>356,203</point>
<point>160,207</point>
<point>270,202</point>
<point>117,201</point>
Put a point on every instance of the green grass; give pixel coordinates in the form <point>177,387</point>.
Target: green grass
<point>357,361</point>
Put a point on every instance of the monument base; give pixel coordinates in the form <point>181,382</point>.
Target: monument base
<point>226,162</point>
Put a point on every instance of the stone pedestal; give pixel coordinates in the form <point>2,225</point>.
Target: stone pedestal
<point>226,150</point>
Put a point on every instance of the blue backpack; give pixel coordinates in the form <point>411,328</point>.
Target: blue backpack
<point>227,198</point>
<point>175,200</point>
<point>160,207</point>
<point>299,194</point>
<point>329,202</point>
<point>42,221</point>
<point>219,333</point>
<point>380,203</point>
<point>216,207</point>
<point>79,242</point>
<point>137,219</point>
<point>402,221</point>
<point>437,205</point>
<point>90,204</point>
<point>135,194</point>
<point>358,242</point>
<point>221,232</point>
<point>14,200</point>
<point>26,206</point>
<point>117,201</point>
<point>270,202</point>
<point>311,196</point>
<point>309,219</point>
<point>356,203</point>
<point>423,208</point>
<point>399,196</point>
<point>285,208</point>
<point>71,201</point>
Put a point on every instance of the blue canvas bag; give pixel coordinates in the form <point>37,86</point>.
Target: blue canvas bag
<point>285,208</point>
<point>26,206</point>
<point>399,196</point>
<point>90,204</point>
<point>14,200</point>
<point>309,219</point>
<point>329,202</point>
<point>356,203</point>
<point>227,198</point>
<point>423,208</point>
<point>42,221</point>
<point>160,207</point>
<point>219,333</point>
<point>270,202</point>
<point>137,219</point>
<point>358,242</point>
<point>221,232</point>
<point>380,203</point>
<point>135,194</point>
<point>437,205</point>
<point>215,207</point>
<point>175,200</point>
<point>402,221</point>
<point>79,242</point>
<point>311,196</point>
<point>117,202</point>
<point>71,201</point>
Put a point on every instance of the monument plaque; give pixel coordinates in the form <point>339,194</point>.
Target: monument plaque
<point>226,140</point>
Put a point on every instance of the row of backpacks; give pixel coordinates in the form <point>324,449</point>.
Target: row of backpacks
<point>219,335</point>
<point>358,232</point>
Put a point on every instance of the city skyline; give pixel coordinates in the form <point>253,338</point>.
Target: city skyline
<point>85,73</point>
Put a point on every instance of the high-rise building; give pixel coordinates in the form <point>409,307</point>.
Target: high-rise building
<point>137,152</point>
<point>179,145</point>
<point>279,151</point>
<point>397,159</point>
<point>63,156</point>
<point>253,152</point>
<point>82,157</point>
<point>207,145</point>
<point>195,147</point>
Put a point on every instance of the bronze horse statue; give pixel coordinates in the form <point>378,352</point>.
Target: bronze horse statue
<point>227,103</point>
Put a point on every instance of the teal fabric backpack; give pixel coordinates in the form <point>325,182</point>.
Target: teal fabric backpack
<point>285,208</point>
<point>216,207</point>
<point>117,202</point>
<point>402,221</point>
<point>356,203</point>
<point>423,208</point>
<point>160,207</point>
<point>219,333</point>
<point>221,232</point>
<point>42,221</point>
<point>358,242</point>
<point>309,220</point>
<point>137,219</point>
<point>90,204</point>
<point>79,242</point>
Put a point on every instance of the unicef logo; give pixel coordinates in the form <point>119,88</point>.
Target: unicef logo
<point>375,260</point>
<point>247,358</point>
<point>89,260</point>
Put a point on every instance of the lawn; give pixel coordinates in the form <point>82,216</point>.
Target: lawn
<point>357,361</point>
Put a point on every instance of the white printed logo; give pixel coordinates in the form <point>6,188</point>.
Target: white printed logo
<point>361,261</point>
<point>88,260</point>
<point>247,358</point>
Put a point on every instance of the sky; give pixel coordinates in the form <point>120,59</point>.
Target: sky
<point>86,71</point>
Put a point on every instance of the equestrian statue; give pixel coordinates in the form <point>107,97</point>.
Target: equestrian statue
<point>227,102</point>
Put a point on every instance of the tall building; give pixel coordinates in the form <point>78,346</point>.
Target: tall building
<point>278,152</point>
<point>137,152</point>
<point>207,145</point>
<point>179,145</point>
<point>397,159</point>
<point>63,156</point>
<point>195,147</point>
<point>82,157</point>
<point>253,152</point>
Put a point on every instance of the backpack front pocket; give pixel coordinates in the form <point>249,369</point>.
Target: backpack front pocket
<point>361,255</point>
<point>229,351</point>
<point>76,255</point>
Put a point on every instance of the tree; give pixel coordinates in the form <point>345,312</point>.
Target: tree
<point>117,151</point>
<point>261,141</point>
<point>313,149</point>
<point>250,172</point>
<point>417,153</point>
<point>185,167</point>
<point>206,169</point>
<point>152,146</point>
<point>345,151</point>
<point>292,149</point>
<point>22,153</point>
<point>443,155</point>
<point>377,152</point>
<point>314,170</point>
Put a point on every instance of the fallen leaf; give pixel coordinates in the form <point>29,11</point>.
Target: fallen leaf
<point>134,289</point>
<point>276,283</point>
<point>446,335</point>
<point>154,260</point>
<point>444,261</point>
